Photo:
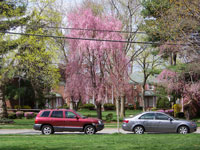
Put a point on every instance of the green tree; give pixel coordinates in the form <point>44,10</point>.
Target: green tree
<point>34,57</point>
<point>150,65</point>
<point>11,16</point>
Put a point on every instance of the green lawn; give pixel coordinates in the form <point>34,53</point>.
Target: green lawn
<point>102,142</point>
<point>28,123</point>
<point>19,124</point>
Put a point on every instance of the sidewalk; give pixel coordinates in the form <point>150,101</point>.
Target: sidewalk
<point>34,132</point>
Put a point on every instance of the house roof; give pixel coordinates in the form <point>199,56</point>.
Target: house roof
<point>53,94</point>
<point>149,93</point>
<point>138,77</point>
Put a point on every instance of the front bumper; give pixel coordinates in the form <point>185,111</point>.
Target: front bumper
<point>99,127</point>
<point>37,126</point>
<point>193,129</point>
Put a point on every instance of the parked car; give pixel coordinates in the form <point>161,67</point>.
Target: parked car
<point>59,120</point>
<point>157,122</point>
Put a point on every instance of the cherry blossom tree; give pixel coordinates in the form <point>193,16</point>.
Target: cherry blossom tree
<point>96,63</point>
<point>185,87</point>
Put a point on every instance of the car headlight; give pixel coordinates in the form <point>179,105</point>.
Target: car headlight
<point>193,124</point>
<point>100,122</point>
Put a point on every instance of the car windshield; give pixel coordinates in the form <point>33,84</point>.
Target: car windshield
<point>81,115</point>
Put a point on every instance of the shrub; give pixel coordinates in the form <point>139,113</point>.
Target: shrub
<point>163,103</point>
<point>29,115</point>
<point>177,108</point>
<point>109,106</point>
<point>88,106</point>
<point>17,107</point>
<point>64,106</point>
<point>19,114</point>
<point>26,107</point>
<point>180,115</point>
<point>161,110</point>
<point>12,116</point>
<point>6,121</point>
<point>130,106</point>
<point>153,109</point>
<point>170,112</point>
<point>138,107</point>
<point>109,117</point>
<point>35,114</point>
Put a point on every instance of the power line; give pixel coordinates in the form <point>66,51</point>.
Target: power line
<point>86,39</point>
<point>97,30</point>
<point>77,38</point>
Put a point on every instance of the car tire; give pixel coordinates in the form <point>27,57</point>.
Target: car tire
<point>47,130</point>
<point>183,130</point>
<point>89,129</point>
<point>138,130</point>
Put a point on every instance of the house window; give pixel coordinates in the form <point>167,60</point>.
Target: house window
<point>135,99</point>
<point>151,87</point>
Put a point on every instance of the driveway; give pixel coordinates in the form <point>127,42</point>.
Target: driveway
<point>32,132</point>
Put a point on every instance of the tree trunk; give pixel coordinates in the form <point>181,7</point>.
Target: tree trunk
<point>174,59</point>
<point>99,112</point>
<point>122,110</point>
<point>71,104</point>
<point>3,109</point>
<point>117,111</point>
<point>143,98</point>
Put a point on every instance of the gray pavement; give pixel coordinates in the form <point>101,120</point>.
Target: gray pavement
<point>34,132</point>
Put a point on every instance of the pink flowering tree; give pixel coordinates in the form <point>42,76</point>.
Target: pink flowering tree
<point>186,88</point>
<point>93,59</point>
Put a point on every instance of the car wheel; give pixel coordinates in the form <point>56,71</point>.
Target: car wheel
<point>183,130</point>
<point>47,129</point>
<point>138,130</point>
<point>89,129</point>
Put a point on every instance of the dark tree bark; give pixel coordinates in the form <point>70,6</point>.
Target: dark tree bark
<point>3,109</point>
<point>99,113</point>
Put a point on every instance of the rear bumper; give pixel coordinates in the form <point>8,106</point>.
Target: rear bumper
<point>37,126</point>
<point>126,127</point>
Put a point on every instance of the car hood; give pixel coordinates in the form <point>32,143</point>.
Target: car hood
<point>93,119</point>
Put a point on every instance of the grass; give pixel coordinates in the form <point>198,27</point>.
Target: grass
<point>19,124</point>
<point>102,142</point>
<point>28,123</point>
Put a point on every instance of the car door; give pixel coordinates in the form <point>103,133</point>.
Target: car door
<point>57,120</point>
<point>165,123</point>
<point>72,122</point>
<point>149,122</point>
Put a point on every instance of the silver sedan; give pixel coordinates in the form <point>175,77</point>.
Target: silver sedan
<point>157,122</point>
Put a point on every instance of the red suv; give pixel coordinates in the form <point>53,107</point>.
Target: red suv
<point>58,120</point>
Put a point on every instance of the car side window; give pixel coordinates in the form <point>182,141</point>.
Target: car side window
<point>148,116</point>
<point>69,114</point>
<point>57,114</point>
<point>45,114</point>
<point>161,117</point>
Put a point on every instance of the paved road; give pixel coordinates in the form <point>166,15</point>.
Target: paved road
<point>32,132</point>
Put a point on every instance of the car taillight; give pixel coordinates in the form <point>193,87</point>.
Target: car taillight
<point>125,121</point>
<point>36,121</point>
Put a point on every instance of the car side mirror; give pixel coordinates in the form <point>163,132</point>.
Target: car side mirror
<point>77,117</point>
<point>170,119</point>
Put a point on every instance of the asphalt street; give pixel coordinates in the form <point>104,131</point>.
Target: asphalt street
<point>34,132</point>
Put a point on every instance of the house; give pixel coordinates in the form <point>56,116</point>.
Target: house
<point>137,79</point>
<point>58,94</point>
